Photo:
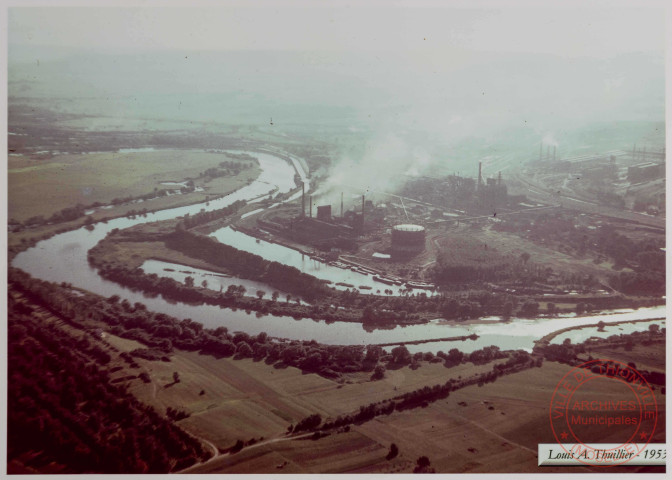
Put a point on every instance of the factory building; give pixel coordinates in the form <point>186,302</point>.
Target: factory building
<point>645,172</point>
<point>407,240</point>
<point>324,213</point>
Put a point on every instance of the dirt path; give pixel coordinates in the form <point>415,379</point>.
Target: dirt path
<point>217,454</point>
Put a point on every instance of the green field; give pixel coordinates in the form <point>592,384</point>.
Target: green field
<point>44,187</point>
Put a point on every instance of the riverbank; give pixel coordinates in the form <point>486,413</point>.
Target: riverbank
<point>27,237</point>
<point>548,338</point>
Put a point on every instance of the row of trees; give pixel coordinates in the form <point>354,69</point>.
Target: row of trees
<point>201,218</point>
<point>162,333</point>
<point>247,265</point>
<point>421,397</point>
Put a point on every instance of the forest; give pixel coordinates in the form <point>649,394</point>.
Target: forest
<point>65,414</point>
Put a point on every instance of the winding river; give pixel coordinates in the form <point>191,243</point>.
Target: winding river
<point>62,258</point>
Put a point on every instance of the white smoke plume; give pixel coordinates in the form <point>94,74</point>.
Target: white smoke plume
<point>549,139</point>
<point>385,164</point>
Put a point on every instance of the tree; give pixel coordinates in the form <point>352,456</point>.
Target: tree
<point>204,284</point>
<point>262,337</point>
<point>373,353</point>
<point>530,308</point>
<point>525,257</point>
<point>401,355</point>
<point>455,356</point>
<point>654,328</point>
<point>274,296</point>
<point>378,372</point>
<point>423,466</point>
<point>244,350</point>
<point>368,314</point>
<point>600,326</point>
<point>551,308</point>
<point>394,451</point>
<point>176,377</point>
<point>113,299</point>
<point>260,294</point>
<point>189,281</point>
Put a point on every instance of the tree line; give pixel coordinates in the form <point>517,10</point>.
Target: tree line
<point>64,412</point>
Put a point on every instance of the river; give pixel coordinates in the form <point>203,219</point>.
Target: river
<point>62,258</point>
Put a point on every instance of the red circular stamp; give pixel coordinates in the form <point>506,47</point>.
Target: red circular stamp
<point>603,413</point>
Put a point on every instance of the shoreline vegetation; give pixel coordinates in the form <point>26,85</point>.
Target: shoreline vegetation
<point>552,335</point>
<point>181,238</point>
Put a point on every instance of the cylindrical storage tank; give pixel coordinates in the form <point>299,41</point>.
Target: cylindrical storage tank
<point>408,239</point>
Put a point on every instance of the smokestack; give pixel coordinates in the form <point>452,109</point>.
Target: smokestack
<point>341,204</point>
<point>554,147</point>
<point>303,199</point>
<point>479,175</point>
<point>541,149</point>
<point>499,178</point>
<point>311,206</point>
<point>548,152</point>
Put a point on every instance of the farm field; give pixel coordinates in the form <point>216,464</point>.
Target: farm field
<point>260,400</point>
<point>477,429</point>
<point>44,187</point>
<point>497,428</point>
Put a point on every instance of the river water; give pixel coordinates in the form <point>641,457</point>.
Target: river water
<point>62,258</point>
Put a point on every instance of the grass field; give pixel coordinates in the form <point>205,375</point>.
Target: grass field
<point>43,187</point>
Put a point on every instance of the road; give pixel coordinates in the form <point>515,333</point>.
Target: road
<point>217,454</point>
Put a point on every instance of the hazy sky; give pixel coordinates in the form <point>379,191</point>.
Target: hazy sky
<point>566,32</point>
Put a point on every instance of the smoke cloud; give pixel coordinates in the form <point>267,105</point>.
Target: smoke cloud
<point>384,165</point>
<point>549,140</point>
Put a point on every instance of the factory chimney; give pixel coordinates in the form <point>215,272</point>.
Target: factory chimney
<point>303,199</point>
<point>311,206</point>
<point>499,178</point>
<point>554,147</point>
<point>341,204</point>
<point>479,175</point>
<point>548,152</point>
<point>541,149</point>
